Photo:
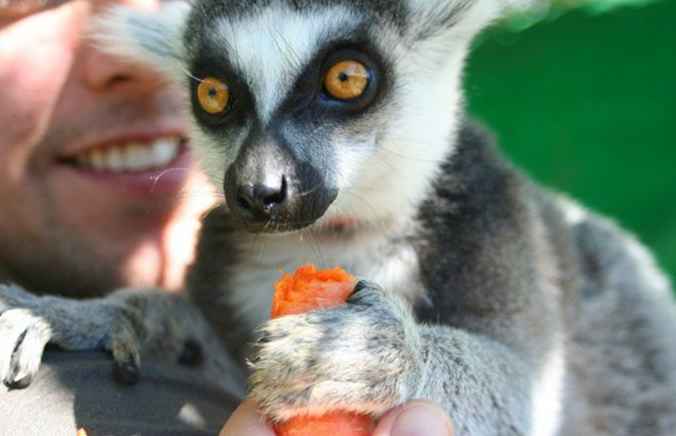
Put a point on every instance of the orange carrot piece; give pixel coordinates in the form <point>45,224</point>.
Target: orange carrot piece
<point>81,432</point>
<point>331,424</point>
<point>309,289</point>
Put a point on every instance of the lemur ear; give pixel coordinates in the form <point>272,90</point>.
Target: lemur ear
<point>154,39</point>
<point>436,18</point>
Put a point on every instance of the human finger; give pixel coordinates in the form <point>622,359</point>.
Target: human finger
<point>417,418</point>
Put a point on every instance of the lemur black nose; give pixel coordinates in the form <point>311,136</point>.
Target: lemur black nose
<point>261,200</point>
<point>268,189</point>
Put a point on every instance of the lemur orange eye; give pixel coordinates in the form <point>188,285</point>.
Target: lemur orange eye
<point>347,80</point>
<point>213,95</point>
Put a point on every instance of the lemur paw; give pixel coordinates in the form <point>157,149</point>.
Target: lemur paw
<point>361,357</point>
<point>119,324</point>
<point>23,336</point>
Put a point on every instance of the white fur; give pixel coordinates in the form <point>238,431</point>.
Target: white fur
<point>573,213</point>
<point>420,131</point>
<point>547,394</point>
<point>146,37</point>
<point>412,144</point>
<point>271,47</point>
<point>212,160</point>
<point>263,257</point>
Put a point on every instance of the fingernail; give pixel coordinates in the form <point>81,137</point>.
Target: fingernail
<point>422,420</point>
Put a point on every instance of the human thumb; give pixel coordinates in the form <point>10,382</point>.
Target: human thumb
<point>417,418</point>
<point>246,421</point>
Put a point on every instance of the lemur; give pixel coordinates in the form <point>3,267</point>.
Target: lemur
<point>337,132</point>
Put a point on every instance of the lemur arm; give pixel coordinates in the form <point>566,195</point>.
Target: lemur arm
<point>483,385</point>
<point>371,356</point>
<point>127,323</point>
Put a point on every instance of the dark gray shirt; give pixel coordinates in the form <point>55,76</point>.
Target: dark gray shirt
<point>76,390</point>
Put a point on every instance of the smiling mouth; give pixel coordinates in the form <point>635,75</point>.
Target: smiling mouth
<point>129,157</point>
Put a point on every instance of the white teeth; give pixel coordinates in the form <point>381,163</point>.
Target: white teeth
<point>115,159</point>
<point>132,157</point>
<point>137,157</point>
<point>165,150</point>
<point>97,159</point>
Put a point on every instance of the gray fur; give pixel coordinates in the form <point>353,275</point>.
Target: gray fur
<point>128,324</point>
<point>325,342</point>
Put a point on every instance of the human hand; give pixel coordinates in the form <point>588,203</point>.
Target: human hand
<point>416,418</point>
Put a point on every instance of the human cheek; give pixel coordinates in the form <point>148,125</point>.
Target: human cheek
<point>36,54</point>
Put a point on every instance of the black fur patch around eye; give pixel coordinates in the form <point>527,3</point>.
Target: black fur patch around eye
<point>307,100</point>
<point>212,61</point>
<point>375,79</point>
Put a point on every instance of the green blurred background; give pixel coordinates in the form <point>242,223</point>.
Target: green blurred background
<point>586,103</point>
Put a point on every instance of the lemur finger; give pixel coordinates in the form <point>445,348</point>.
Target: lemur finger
<point>14,326</point>
<point>127,360</point>
<point>25,361</point>
<point>125,346</point>
<point>369,295</point>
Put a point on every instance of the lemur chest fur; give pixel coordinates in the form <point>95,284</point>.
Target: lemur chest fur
<point>384,257</point>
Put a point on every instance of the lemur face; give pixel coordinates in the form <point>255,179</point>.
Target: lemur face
<point>308,112</point>
<point>305,97</point>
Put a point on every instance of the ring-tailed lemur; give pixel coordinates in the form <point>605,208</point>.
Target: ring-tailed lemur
<point>336,130</point>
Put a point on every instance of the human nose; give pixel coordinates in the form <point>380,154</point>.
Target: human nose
<point>102,72</point>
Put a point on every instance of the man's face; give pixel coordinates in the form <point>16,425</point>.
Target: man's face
<point>94,172</point>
